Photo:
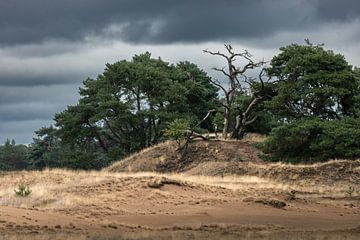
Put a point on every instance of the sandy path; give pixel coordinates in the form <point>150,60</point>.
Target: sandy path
<point>134,207</point>
<point>252,217</point>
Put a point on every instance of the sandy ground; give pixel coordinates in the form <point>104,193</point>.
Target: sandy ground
<point>103,205</point>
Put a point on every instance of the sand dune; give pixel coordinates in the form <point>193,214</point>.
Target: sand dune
<point>259,202</point>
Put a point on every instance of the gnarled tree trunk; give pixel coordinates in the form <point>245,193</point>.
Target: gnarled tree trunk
<point>236,87</point>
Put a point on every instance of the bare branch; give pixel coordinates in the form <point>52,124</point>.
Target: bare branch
<point>225,106</point>
<point>261,80</point>
<point>250,65</point>
<point>218,84</point>
<point>197,135</point>
<point>199,123</point>
<point>191,134</point>
<point>238,83</point>
<point>218,53</point>
<point>221,70</point>
<point>250,106</point>
<point>251,121</point>
<point>229,49</point>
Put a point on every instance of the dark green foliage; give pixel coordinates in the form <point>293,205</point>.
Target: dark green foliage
<point>218,121</point>
<point>13,157</point>
<point>312,82</point>
<point>83,159</point>
<point>264,123</point>
<point>200,94</point>
<point>311,140</point>
<point>49,151</point>
<point>176,130</point>
<point>23,190</point>
<point>316,100</point>
<point>123,110</point>
<point>45,151</point>
<point>265,120</point>
<point>357,96</point>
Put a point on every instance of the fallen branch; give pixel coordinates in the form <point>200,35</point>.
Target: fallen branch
<point>191,134</point>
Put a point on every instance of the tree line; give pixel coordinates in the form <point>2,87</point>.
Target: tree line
<point>306,99</point>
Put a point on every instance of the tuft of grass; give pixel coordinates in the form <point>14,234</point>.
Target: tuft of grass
<point>23,190</point>
<point>350,191</point>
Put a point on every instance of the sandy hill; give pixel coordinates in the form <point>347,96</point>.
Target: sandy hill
<point>220,158</point>
<point>164,157</point>
<point>218,190</point>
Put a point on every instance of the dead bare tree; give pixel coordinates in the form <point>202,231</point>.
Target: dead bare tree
<point>233,72</point>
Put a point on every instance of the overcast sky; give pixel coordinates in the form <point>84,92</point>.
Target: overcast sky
<point>47,48</point>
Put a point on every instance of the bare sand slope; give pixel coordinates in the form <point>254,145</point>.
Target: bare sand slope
<point>164,157</point>
<point>103,205</point>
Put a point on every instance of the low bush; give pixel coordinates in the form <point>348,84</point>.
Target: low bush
<point>312,140</point>
<point>23,190</point>
<point>176,130</point>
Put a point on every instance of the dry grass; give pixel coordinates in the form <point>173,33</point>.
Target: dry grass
<point>165,158</point>
<point>248,184</point>
<point>250,137</point>
<point>154,155</point>
<point>254,138</point>
<point>93,199</point>
<point>49,188</point>
<point>61,189</point>
<point>313,165</point>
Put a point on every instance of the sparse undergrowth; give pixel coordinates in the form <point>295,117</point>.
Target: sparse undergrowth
<point>23,190</point>
<point>351,191</point>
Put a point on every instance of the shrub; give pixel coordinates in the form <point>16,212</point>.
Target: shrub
<point>350,191</point>
<point>176,130</point>
<point>23,190</point>
<point>311,140</point>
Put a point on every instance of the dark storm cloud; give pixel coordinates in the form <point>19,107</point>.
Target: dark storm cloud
<point>55,94</point>
<point>21,131</point>
<point>335,10</point>
<point>27,111</point>
<point>23,80</point>
<point>49,49</point>
<point>49,63</point>
<point>163,21</point>
<point>39,102</point>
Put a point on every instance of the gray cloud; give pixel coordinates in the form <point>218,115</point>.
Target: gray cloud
<point>54,94</point>
<point>335,10</point>
<point>163,21</point>
<point>45,49</point>
<point>28,111</point>
<point>23,80</point>
<point>21,131</point>
<point>48,63</point>
<point>25,109</point>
